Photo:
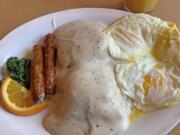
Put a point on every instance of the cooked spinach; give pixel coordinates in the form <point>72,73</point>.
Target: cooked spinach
<point>18,69</point>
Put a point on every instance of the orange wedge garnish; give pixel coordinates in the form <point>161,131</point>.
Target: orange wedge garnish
<point>17,99</point>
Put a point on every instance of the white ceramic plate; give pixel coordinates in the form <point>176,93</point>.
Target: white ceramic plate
<point>20,41</point>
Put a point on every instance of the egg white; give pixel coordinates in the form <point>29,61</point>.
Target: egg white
<point>148,51</point>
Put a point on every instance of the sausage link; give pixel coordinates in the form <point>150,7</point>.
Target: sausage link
<point>37,77</point>
<point>49,64</point>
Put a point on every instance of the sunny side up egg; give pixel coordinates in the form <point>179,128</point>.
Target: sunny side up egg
<point>147,54</point>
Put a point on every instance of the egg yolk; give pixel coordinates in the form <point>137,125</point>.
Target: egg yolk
<point>135,115</point>
<point>161,44</point>
<point>132,59</point>
<point>153,83</point>
<point>162,41</point>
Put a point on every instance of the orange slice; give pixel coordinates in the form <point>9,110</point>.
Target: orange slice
<point>17,99</point>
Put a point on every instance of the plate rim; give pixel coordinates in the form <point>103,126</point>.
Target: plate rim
<point>54,13</point>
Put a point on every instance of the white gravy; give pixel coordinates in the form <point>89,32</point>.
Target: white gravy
<point>88,101</point>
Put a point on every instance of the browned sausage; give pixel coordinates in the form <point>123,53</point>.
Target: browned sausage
<point>37,77</point>
<point>49,64</point>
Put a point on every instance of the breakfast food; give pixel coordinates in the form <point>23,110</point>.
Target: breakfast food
<point>49,63</point>
<point>151,48</point>
<point>87,99</point>
<point>39,72</point>
<point>37,77</point>
<point>17,99</point>
<point>109,76</point>
<point>105,77</point>
<point>18,69</point>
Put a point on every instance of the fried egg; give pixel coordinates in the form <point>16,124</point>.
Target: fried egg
<point>147,51</point>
